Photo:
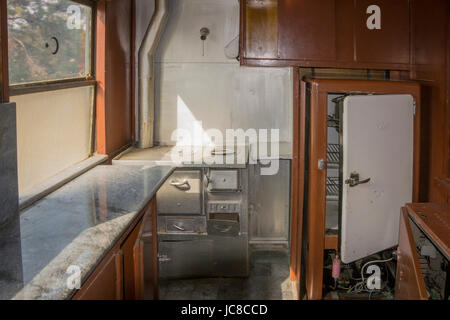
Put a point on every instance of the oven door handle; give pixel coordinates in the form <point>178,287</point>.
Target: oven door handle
<point>181,185</point>
<point>178,227</point>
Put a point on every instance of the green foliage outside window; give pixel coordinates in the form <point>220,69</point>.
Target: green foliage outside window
<point>36,28</point>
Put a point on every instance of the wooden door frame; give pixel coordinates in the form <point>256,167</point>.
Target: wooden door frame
<point>320,88</point>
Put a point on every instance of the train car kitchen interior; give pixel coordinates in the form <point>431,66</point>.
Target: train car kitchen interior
<point>225,150</point>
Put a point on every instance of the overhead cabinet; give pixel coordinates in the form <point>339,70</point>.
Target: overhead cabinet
<point>326,33</point>
<point>307,30</point>
<point>388,44</point>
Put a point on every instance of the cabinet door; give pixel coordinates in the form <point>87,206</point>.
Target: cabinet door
<point>307,30</point>
<point>106,281</point>
<point>269,205</point>
<point>261,29</point>
<point>409,283</point>
<point>129,274</point>
<point>390,43</point>
<point>145,256</point>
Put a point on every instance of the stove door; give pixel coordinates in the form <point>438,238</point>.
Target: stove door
<point>378,140</point>
<point>181,194</point>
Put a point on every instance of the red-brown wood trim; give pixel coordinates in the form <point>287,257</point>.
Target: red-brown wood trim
<point>4,71</point>
<point>301,179</point>
<point>322,64</point>
<point>138,254</point>
<point>242,31</point>
<point>295,213</point>
<point>316,194</point>
<point>119,275</point>
<point>133,70</point>
<point>155,250</point>
<point>138,262</point>
<point>129,264</point>
<point>100,72</point>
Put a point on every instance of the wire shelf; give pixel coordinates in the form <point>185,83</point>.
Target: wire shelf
<point>333,154</point>
<point>332,188</point>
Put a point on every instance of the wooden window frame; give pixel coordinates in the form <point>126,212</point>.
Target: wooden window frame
<point>68,83</point>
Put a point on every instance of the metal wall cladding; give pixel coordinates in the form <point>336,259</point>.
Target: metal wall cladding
<point>270,205</point>
<point>203,91</point>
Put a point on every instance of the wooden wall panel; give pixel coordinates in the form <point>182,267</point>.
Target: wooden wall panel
<point>448,90</point>
<point>119,73</point>
<point>430,65</point>
<point>345,30</point>
<point>113,65</point>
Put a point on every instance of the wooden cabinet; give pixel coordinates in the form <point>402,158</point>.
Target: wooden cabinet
<point>389,44</point>
<point>106,282</point>
<point>130,270</point>
<point>307,30</point>
<point>326,33</point>
<point>261,29</point>
<point>410,284</point>
<point>145,257</point>
<point>423,255</point>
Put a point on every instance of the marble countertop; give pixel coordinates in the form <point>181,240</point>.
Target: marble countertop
<point>78,224</point>
<point>196,157</point>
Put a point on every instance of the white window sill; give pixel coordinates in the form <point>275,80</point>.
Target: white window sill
<point>36,193</point>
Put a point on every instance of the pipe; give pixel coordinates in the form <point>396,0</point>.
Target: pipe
<point>146,73</point>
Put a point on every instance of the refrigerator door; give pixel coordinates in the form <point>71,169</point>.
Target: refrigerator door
<point>378,133</point>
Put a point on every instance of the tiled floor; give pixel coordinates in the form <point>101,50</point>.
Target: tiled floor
<point>269,279</point>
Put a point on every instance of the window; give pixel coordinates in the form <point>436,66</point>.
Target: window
<point>50,49</point>
<point>49,40</point>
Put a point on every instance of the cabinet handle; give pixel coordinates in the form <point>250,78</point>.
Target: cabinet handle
<point>222,229</point>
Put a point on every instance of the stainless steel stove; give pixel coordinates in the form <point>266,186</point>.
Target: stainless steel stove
<point>203,223</point>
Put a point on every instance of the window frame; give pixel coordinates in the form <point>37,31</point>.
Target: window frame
<point>66,83</point>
